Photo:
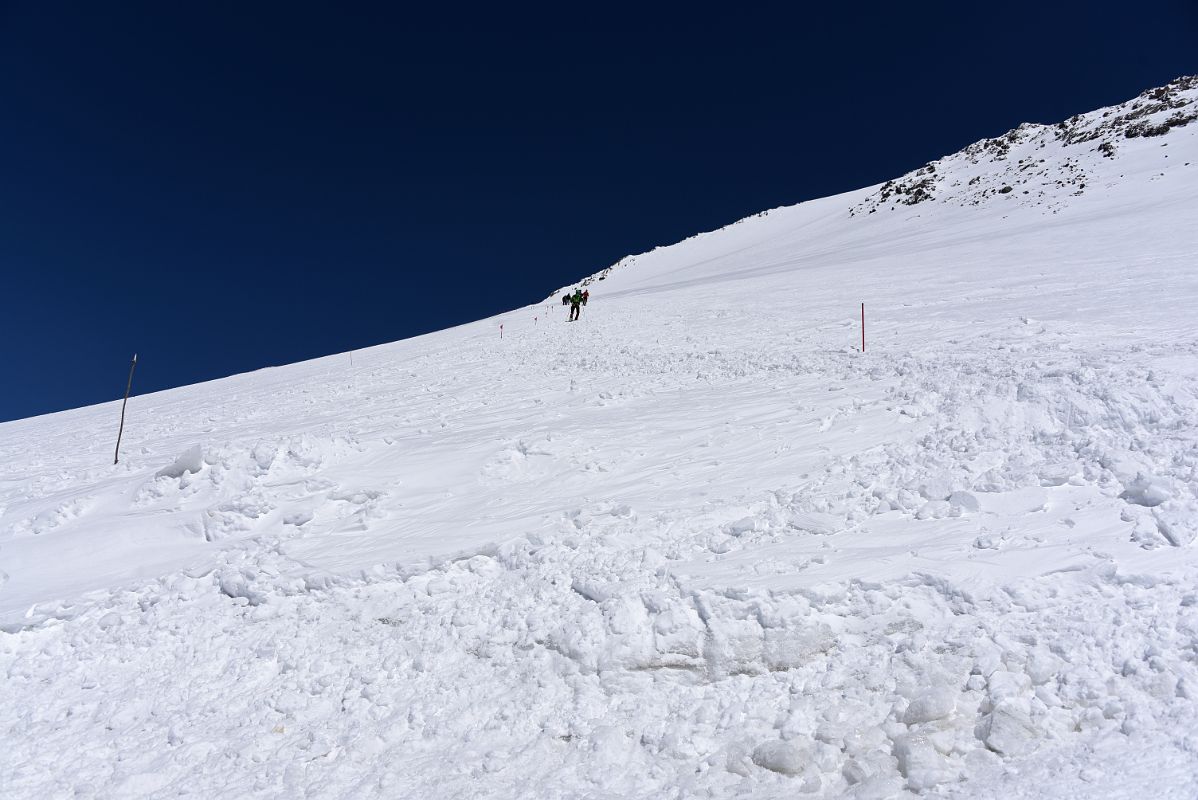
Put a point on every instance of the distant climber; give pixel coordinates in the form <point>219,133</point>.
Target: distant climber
<point>575,304</point>
<point>566,299</point>
<point>585,296</point>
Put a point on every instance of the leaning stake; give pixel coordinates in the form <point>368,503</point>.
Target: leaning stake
<point>863,327</point>
<point>117,455</point>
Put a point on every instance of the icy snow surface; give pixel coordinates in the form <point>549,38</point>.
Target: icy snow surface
<point>696,544</point>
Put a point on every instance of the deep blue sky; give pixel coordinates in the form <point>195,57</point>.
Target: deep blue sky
<point>226,186</point>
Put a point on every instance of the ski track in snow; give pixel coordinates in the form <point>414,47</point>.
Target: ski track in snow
<point>696,544</point>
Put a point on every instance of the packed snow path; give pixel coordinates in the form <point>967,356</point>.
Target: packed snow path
<point>695,544</point>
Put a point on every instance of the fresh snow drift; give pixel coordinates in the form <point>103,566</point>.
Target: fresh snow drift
<point>695,545</point>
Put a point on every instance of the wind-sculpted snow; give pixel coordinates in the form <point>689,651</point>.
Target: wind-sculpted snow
<point>696,544</point>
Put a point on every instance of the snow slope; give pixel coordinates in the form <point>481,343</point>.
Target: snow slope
<point>696,544</point>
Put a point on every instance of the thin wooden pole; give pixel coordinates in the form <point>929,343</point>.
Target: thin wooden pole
<point>863,327</point>
<point>117,455</point>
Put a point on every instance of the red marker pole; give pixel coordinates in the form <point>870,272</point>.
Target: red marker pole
<point>863,327</point>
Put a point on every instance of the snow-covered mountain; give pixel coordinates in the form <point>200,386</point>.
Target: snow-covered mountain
<point>1045,165</point>
<point>1109,151</point>
<point>696,544</point>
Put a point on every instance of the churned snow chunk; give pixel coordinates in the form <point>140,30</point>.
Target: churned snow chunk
<point>679,632</point>
<point>966,501</point>
<point>738,760</point>
<point>854,772</point>
<point>191,461</point>
<point>879,787</point>
<point>264,455</point>
<point>289,702</point>
<point>1176,522</point>
<point>938,488</point>
<point>609,745</point>
<point>1008,729</point>
<point>815,522</point>
<point>1042,665</point>
<point>780,756</point>
<point>934,509</point>
<point>1004,683</point>
<point>1146,490</point>
<point>109,620</point>
<point>932,703</point>
<point>741,526</point>
<point>790,648</point>
<point>591,589</point>
<point>988,542</point>
<point>1056,474</point>
<point>298,518</point>
<point>920,763</point>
